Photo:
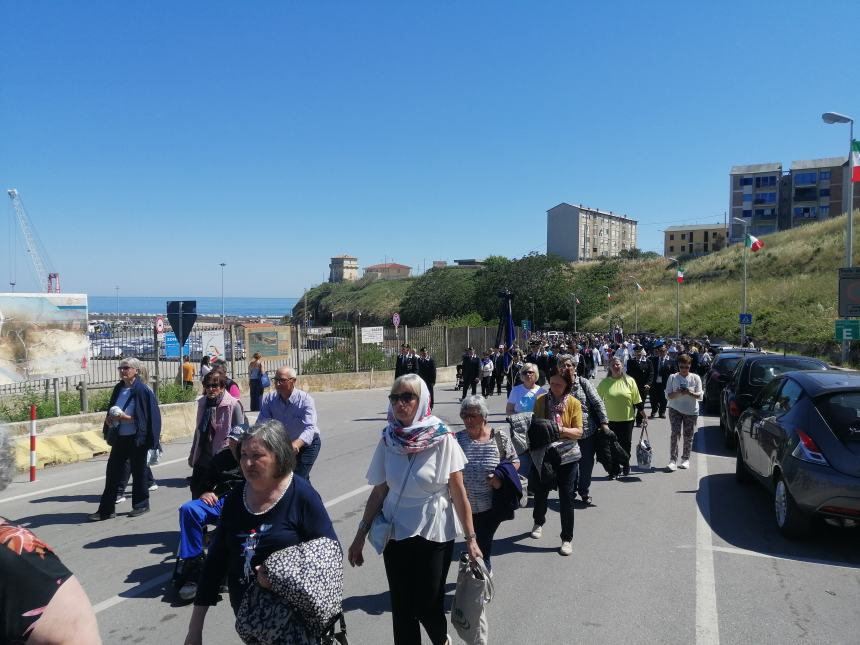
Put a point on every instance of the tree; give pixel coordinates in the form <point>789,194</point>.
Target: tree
<point>439,293</point>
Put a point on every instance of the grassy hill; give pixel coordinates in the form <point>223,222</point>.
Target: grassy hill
<point>791,289</point>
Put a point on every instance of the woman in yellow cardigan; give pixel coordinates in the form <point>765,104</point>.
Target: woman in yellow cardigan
<point>561,405</point>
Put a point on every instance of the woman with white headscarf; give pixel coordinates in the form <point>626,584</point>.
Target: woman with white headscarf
<point>417,478</point>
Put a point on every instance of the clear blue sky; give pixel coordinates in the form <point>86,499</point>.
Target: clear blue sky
<point>152,141</point>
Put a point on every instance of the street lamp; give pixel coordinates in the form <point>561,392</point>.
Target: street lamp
<point>677,301</point>
<point>575,301</point>
<point>223,264</point>
<point>635,303</point>
<point>746,225</point>
<point>117,301</point>
<point>830,118</point>
<point>608,307</point>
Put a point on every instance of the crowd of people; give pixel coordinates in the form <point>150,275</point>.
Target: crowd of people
<point>430,482</point>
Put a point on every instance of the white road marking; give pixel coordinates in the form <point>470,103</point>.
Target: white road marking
<point>756,554</point>
<point>707,621</point>
<point>160,580</point>
<point>42,491</point>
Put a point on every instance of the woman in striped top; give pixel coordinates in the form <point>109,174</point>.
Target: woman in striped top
<point>484,448</point>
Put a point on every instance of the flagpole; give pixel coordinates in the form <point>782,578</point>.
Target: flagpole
<point>574,313</point>
<point>677,299</point>
<point>744,291</point>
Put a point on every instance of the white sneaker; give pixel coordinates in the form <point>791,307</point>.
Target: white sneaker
<point>120,499</point>
<point>685,464</point>
<point>672,467</point>
<point>566,548</point>
<point>153,487</point>
<point>537,531</point>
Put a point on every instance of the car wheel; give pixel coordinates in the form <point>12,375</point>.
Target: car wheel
<point>742,473</point>
<point>791,521</point>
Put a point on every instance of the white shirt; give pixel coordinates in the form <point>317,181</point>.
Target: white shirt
<point>523,399</point>
<point>684,404</point>
<point>425,507</point>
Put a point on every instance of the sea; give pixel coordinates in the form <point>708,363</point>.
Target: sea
<point>242,307</point>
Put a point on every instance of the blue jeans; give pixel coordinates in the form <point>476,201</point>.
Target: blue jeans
<point>526,469</point>
<point>306,458</point>
<point>193,516</point>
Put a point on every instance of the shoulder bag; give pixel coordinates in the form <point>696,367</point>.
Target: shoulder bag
<point>382,527</point>
<point>643,450</point>
<point>264,379</point>
<point>468,611</point>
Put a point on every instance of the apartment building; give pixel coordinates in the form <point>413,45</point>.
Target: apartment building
<point>694,239</point>
<point>754,196</point>
<point>582,233</point>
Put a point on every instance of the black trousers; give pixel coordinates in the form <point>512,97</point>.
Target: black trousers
<point>567,476</point>
<point>124,449</point>
<point>658,398</point>
<point>486,386</point>
<point>466,385</point>
<point>624,432</point>
<point>486,524</point>
<point>256,386</point>
<point>126,475</point>
<point>417,570</point>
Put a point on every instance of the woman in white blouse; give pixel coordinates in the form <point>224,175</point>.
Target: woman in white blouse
<point>417,478</point>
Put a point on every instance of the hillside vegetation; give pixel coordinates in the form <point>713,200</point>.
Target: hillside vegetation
<point>791,291</point>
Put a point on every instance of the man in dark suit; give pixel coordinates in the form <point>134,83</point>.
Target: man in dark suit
<point>427,371</point>
<point>407,362</point>
<point>471,371</point>
<point>498,368</point>
<point>639,369</point>
<point>661,367</point>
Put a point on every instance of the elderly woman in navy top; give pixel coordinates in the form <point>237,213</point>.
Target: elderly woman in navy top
<point>295,409</point>
<point>417,478</point>
<point>132,426</point>
<point>484,448</point>
<point>271,511</point>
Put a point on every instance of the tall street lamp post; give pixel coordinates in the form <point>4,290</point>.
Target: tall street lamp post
<point>677,300</point>
<point>117,300</point>
<point>574,311</point>
<point>608,307</point>
<point>223,264</point>
<point>746,225</point>
<point>830,118</point>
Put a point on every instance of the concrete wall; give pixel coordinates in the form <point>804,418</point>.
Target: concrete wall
<point>64,440</point>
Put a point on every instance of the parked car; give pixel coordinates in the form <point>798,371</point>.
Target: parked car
<point>801,438</point>
<point>751,374</point>
<point>719,374</point>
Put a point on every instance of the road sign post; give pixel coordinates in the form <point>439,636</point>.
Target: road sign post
<point>745,319</point>
<point>396,320</point>
<point>848,330</point>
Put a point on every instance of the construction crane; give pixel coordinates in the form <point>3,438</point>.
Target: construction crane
<point>37,255</point>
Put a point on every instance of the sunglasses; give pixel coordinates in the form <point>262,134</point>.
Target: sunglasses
<point>283,380</point>
<point>403,397</point>
<point>215,385</point>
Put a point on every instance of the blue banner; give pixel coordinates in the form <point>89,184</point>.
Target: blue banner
<point>171,346</point>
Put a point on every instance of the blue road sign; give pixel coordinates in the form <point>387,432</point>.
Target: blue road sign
<point>171,346</point>
<point>526,324</point>
<point>745,319</point>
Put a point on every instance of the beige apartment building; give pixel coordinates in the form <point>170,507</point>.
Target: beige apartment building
<point>387,271</point>
<point>582,233</point>
<point>694,239</point>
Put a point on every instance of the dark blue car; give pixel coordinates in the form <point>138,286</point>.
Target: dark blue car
<point>800,437</point>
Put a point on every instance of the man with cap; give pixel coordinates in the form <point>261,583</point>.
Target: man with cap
<point>427,371</point>
<point>661,367</point>
<point>471,371</point>
<point>639,369</point>
<point>194,515</point>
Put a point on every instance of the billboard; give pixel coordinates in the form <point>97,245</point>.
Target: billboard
<point>212,343</point>
<point>42,336</point>
<point>269,340</point>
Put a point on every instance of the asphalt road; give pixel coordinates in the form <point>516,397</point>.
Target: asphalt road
<point>684,557</point>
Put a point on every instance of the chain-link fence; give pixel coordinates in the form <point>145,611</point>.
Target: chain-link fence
<point>322,350</point>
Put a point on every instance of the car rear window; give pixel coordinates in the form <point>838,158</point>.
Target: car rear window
<point>842,413</point>
<point>763,372</point>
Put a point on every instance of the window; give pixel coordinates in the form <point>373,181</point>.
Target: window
<point>805,211</point>
<point>824,211</point>
<point>805,178</point>
<point>706,236</point>
<point>748,197</point>
<point>671,236</point>
<point>691,238</point>
<point>805,194</point>
<point>671,249</point>
<point>788,396</point>
<point>764,182</point>
<point>767,398</point>
<point>765,198</point>
<point>746,213</point>
<point>765,212</point>
<point>705,247</point>
<point>824,175</point>
<point>746,181</point>
<point>824,192</point>
<point>683,248</point>
<point>683,236</point>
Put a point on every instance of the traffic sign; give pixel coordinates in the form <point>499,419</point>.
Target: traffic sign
<point>159,325</point>
<point>526,324</point>
<point>182,315</point>
<point>849,292</point>
<point>745,319</point>
<point>848,330</point>
<point>396,319</point>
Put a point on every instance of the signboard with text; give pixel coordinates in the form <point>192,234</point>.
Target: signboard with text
<point>212,344</point>
<point>848,330</point>
<point>849,292</point>
<point>371,334</point>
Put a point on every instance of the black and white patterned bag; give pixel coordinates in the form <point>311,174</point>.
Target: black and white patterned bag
<point>309,576</point>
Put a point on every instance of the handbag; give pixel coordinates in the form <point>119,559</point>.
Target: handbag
<point>309,576</point>
<point>469,609</point>
<point>264,379</point>
<point>381,528</point>
<point>264,618</point>
<point>520,430</point>
<point>644,452</point>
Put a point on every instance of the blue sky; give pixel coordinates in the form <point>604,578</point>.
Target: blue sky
<point>152,141</point>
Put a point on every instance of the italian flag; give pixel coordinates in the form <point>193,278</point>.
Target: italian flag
<point>577,300</point>
<point>855,161</point>
<point>753,243</point>
<point>680,275</point>
<point>609,295</point>
<point>639,287</point>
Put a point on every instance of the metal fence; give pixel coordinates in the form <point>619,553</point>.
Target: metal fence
<point>313,351</point>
